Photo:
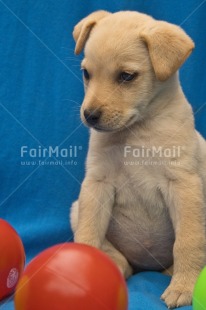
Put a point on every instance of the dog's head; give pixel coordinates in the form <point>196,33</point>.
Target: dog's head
<point>128,56</point>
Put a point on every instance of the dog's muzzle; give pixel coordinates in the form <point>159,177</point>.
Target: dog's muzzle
<point>92,117</point>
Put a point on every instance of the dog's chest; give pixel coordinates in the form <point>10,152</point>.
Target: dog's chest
<point>136,175</point>
<point>140,227</point>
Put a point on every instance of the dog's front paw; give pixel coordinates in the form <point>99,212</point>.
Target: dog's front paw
<point>177,295</point>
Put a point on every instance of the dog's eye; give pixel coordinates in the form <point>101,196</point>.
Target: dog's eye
<point>127,77</point>
<point>86,74</point>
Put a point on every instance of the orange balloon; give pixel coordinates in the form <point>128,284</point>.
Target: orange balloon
<point>12,258</point>
<point>71,276</point>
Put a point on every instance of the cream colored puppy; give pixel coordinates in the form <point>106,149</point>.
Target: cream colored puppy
<point>143,197</point>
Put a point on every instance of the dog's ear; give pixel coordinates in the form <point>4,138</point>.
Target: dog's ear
<point>168,45</point>
<point>83,28</point>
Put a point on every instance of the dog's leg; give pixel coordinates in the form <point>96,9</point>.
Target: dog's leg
<point>187,211</point>
<point>107,247</point>
<point>74,215</point>
<point>118,258</point>
<point>90,216</point>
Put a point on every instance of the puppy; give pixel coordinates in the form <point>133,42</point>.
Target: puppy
<point>143,197</point>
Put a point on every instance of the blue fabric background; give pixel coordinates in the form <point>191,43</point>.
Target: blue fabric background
<point>40,94</point>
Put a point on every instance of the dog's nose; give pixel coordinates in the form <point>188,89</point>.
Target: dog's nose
<point>92,116</point>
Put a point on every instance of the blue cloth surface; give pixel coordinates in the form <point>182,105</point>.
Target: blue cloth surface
<point>40,94</point>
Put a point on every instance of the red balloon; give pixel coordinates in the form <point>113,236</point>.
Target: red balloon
<point>12,258</point>
<point>71,276</point>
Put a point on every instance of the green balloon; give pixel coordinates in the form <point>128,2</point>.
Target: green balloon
<point>199,295</point>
